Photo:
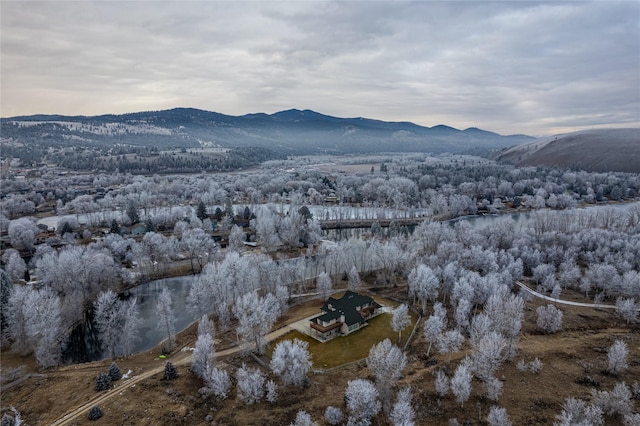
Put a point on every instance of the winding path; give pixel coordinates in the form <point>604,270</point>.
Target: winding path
<point>181,359</point>
<point>563,302</point>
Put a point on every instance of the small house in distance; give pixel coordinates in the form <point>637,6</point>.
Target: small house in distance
<point>343,316</point>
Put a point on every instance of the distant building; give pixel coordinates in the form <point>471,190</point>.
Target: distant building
<point>343,316</point>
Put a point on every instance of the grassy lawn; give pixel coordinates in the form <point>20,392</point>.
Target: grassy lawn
<point>353,347</point>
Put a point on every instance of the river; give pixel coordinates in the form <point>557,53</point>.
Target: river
<point>147,294</point>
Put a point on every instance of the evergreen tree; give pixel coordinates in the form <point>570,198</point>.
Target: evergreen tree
<point>103,382</point>
<point>170,372</point>
<point>115,228</point>
<point>149,225</point>
<point>132,213</point>
<point>66,228</point>
<point>201,211</point>
<point>114,372</point>
<point>95,413</point>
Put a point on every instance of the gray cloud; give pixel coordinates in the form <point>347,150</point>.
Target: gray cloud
<point>511,67</point>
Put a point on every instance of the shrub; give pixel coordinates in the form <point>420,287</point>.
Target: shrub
<point>535,366</point>
<point>549,319</point>
<point>333,415</point>
<point>170,371</point>
<point>95,413</point>
<point>617,356</point>
<point>114,372</point>
<point>103,381</point>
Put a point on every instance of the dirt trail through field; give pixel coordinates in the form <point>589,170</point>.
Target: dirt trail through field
<point>181,359</point>
<point>564,302</point>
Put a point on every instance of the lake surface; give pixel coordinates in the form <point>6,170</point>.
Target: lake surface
<point>147,299</point>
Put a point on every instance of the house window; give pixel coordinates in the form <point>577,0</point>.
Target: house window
<point>353,327</point>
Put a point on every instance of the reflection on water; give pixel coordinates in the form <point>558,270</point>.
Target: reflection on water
<point>147,299</point>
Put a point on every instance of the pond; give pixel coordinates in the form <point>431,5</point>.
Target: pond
<point>147,299</point>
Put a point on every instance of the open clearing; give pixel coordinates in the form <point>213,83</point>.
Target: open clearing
<point>571,360</point>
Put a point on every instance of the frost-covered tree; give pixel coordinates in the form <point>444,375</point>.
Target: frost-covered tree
<point>361,397</point>
<point>199,247</point>
<point>256,315</point>
<point>44,326</point>
<point>34,324</point>
<point>204,356</point>
<point>628,309</point>
<point>77,274</point>
<point>17,315</point>
<point>386,361</point>
<point>423,285</point>
<point>272,391</point>
<point>441,383</point>
<point>323,284</point>
<point>549,318</point>
<point>354,279</point>
<point>505,311</point>
<point>265,227</point>
<point>576,412</point>
<point>402,413</point>
<point>206,326</point>
<point>130,330</point>
<point>493,386</point>
<point>291,361</point>
<point>166,317</point>
<point>15,265</point>
<point>108,318</point>
<point>617,357</point>
<point>461,383</point>
<point>237,237</point>
<point>617,402</point>
<point>400,319</point>
<point>250,384</point>
<point>463,310</point>
<point>489,353</point>
<point>6,288</point>
<point>535,366</point>
<point>333,415</point>
<point>498,417</point>
<point>481,325</point>
<point>303,419</point>
<point>450,341</point>
<point>22,233</point>
<point>435,325</point>
<point>217,382</point>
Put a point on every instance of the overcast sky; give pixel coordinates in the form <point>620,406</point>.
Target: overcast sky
<point>512,67</point>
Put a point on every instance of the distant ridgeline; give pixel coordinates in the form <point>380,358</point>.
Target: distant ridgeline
<point>599,150</point>
<point>184,139</point>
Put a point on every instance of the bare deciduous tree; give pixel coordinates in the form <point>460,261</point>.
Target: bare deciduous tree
<point>166,317</point>
<point>291,361</point>
<point>386,361</point>
<point>617,357</point>
<point>361,397</point>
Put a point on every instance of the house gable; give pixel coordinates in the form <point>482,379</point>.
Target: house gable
<point>344,315</point>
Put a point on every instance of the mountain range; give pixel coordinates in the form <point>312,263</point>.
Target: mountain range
<point>290,132</point>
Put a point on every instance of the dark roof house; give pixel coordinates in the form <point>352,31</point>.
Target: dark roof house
<point>343,316</point>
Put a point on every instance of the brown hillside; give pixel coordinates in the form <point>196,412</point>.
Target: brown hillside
<point>592,150</point>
